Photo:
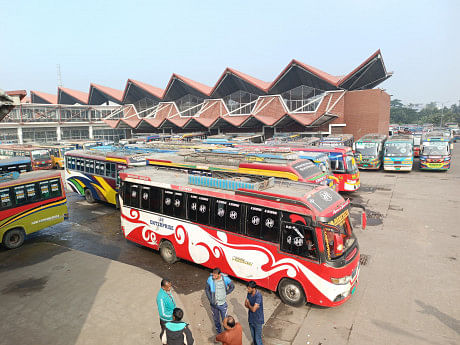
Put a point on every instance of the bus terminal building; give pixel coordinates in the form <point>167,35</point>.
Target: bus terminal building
<point>301,98</point>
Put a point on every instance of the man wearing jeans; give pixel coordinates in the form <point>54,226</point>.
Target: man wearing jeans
<point>218,286</point>
<point>255,306</point>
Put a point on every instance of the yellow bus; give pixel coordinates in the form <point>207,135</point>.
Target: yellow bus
<point>57,154</point>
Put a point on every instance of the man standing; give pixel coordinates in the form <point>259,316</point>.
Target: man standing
<point>177,332</point>
<point>218,286</point>
<point>255,306</point>
<point>233,334</point>
<point>165,303</point>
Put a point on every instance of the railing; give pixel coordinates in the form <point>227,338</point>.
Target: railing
<point>38,113</point>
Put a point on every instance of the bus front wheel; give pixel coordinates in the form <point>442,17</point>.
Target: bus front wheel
<point>167,252</point>
<point>89,196</point>
<point>291,292</point>
<point>14,238</point>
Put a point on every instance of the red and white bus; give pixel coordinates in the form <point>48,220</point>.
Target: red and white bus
<point>290,237</point>
<point>343,163</point>
<point>39,157</point>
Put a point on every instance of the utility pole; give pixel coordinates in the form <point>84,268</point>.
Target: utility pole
<point>59,76</point>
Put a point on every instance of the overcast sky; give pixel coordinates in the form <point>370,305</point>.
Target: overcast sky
<point>107,42</point>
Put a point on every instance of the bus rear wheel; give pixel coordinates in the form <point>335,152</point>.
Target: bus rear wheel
<point>14,238</point>
<point>291,292</point>
<point>167,252</point>
<point>89,196</point>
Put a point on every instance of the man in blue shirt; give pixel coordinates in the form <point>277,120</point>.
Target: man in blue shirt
<point>218,286</point>
<point>255,306</point>
<point>165,303</point>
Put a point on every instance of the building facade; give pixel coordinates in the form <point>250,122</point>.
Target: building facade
<point>301,99</point>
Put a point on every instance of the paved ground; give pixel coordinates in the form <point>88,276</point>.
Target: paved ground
<point>80,282</point>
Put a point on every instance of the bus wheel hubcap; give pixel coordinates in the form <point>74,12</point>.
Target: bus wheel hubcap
<point>14,239</point>
<point>292,292</point>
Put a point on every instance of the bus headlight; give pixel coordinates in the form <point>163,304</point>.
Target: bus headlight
<point>341,281</point>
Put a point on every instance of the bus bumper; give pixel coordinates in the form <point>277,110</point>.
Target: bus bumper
<point>351,185</point>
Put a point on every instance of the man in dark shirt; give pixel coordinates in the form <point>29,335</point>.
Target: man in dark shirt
<point>255,306</point>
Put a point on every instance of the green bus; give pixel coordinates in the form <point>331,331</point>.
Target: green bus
<point>368,151</point>
<point>30,203</point>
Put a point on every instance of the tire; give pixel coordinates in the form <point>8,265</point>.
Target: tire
<point>167,252</point>
<point>89,196</point>
<point>291,292</point>
<point>14,238</point>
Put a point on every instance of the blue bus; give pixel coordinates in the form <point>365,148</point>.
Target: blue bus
<point>19,163</point>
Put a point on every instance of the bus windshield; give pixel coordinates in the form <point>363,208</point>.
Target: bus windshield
<point>40,155</point>
<point>306,168</point>
<point>366,149</point>
<point>398,149</point>
<point>436,148</point>
<point>352,167</point>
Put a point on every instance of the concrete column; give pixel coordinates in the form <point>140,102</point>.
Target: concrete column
<point>90,132</point>
<point>58,133</point>
<point>20,140</point>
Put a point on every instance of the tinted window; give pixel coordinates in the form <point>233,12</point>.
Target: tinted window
<point>254,221</point>
<point>298,240</point>
<point>44,190</point>
<point>270,225</point>
<point>168,204</point>
<point>89,166</point>
<point>19,194</point>
<point>145,198</point>
<point>220,214</point>
<point>234,216</point>
<point>110,170</point>
<point>192,207</point>
<point>179,205</point>
<point>31,192</point>
<point>203,211</point>
<point>155,199</point>
<point>99,168</point>
<point>5,198</point>
<point>55,188</point>
<point>133,193</point>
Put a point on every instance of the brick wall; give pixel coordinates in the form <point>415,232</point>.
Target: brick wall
<point>367,111</point>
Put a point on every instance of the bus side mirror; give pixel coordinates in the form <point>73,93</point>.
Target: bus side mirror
<point>338,244</point>
<point>363,220</point>
<point>354,146</point>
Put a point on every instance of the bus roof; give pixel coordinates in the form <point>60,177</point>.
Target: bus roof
<point>31,177</point>
<point>14,160</point>
<point>19,147</point>
<point>372,137</point>
<point>226,160</point>
<point>52,146</point>
<point>316,198</point>
<point>114,156</point>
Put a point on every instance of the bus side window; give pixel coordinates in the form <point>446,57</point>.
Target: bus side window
<point>110,170</point>
<point>234,216</point>
<point>31,192</point>
<point>203,212</point>
<point>44,190</point>
<point>19,195</point>
<point>298,240</point>
<point>179,205</point>
<point>155,199</point>
<point>254,221</point>
<point>145,198</point>
<point>192,205</point>
<point>134,196</point>
<point>220,214</point>
<point>91,167</point>
<point>5,198</point>
<point>168,203</point>
<point>55,187</point>
<point>270,225</point>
